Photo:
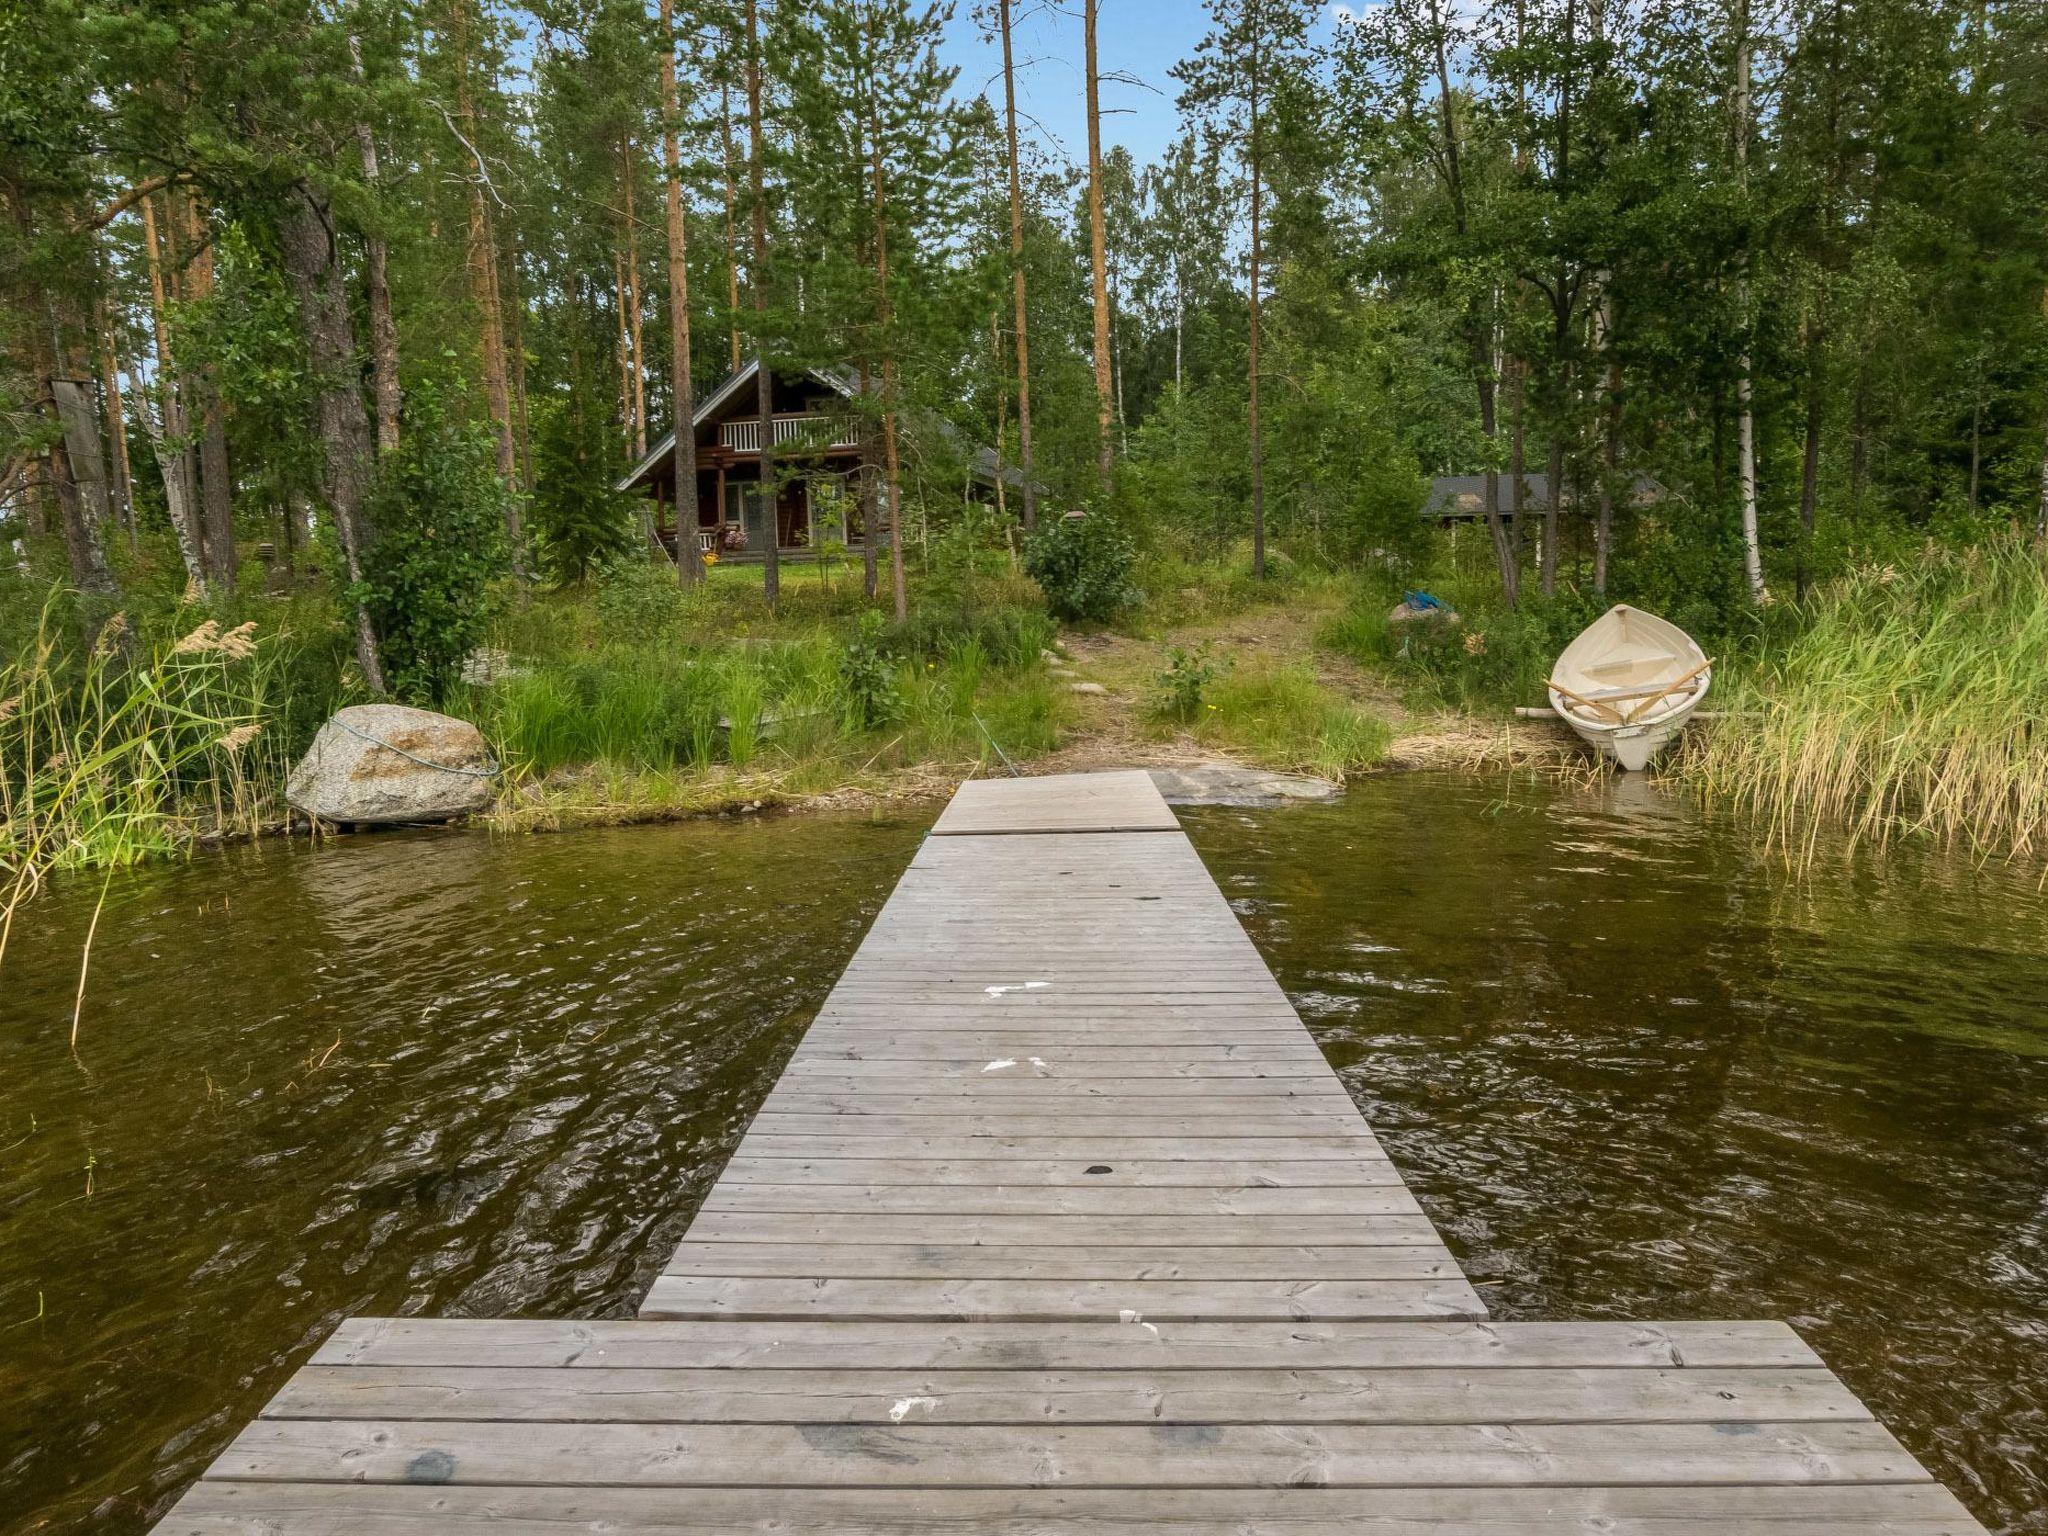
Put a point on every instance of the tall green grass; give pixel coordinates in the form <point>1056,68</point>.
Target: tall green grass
<point>652,698</point>
<point>1282,717</point>
<point>124,750</point>
<point>1910,701</point>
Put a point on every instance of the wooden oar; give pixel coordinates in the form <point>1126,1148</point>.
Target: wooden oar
<point>1579,698</point>
<point>1666,691</point>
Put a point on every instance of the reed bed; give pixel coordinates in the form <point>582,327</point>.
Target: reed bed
<point>1907,703</point>
<point>121,751</point>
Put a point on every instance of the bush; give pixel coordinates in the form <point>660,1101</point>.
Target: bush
<point>869,677</point>
<point>1184,682</point>
<point>638,600</point>
<point>1083,565</point>
<point>1010,636</point>
<point>439,512</point>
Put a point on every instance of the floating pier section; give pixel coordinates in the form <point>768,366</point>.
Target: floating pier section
<point>1059,1222</point>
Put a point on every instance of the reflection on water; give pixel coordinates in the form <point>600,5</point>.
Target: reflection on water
<point>1636,1071</point>
<point>414,1073</point>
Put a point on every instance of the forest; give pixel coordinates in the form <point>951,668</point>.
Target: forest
<point>330,327</point>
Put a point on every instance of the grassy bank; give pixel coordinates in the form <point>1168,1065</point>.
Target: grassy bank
<point>1903,699</point>
<point>1906,700</point>
<point>644,700</point>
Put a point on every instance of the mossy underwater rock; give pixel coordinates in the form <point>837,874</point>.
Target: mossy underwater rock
<point>387,764</point>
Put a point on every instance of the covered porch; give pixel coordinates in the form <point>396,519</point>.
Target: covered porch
<point>816,510</point>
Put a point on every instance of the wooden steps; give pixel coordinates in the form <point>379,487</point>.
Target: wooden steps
<point>1059,1222</point>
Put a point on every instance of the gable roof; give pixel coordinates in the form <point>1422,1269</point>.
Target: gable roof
<point>1464,496</point>
<point>982,463</point>
<point>721,395</point>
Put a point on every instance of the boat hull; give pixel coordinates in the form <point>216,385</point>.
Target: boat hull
<point>1624,665</point>
<point>1630,746</point>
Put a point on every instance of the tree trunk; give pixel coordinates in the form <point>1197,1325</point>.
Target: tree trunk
<point>483,284</point>
<point>689,568</point>
<point>78,474</point>
<point>633,309</point>
<point>1503,548</point>
<point>313,270</point>
<point>1610,414</point>
<point>1752,548</point>
<point>1603,533</point>
<point>1252,362</point>
<point>1097,262</point>
<point>377,285</point>
<point>1554,472</point>
<point>1517,371</point>
<point>622,350</point>
<point>1017,277</point>
<point>515,345</point>
<point>764,380</point>
<point>116,415</point>
<point>732,239</point>
<point>216,484</point>
<point>868,508</point>
<point>1479,330</point>
<point>1809,460</point>
<point>167,435</point>
<point>995,347</point>
<point>885,328</point>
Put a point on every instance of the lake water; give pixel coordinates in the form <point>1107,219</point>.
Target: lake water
<point>1634,1068</point>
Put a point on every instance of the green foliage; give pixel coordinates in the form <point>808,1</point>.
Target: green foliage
<point>638,599</point>
<point>869,677</point>
<point>1083,565</point>
<point>439,514</point>
<point>1283,718</point>
<point>1182,686</point>
<point>581,523</point>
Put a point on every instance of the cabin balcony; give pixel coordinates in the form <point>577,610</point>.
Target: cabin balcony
<point>812,432</point>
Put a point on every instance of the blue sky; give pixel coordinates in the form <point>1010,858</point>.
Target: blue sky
<point>1140,38</point>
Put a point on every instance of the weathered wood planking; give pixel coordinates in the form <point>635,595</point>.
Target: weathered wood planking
<point>1094,802</point>
<point>1058,1224</point>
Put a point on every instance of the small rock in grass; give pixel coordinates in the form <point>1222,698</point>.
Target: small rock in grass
<point>1091,688</point>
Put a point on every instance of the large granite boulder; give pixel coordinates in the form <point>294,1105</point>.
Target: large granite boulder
<point>375,764</point>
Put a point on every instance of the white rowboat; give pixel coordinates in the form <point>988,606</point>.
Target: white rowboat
<point>1628,683</point>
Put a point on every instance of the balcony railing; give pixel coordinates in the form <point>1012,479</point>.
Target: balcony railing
<point>813,432</point>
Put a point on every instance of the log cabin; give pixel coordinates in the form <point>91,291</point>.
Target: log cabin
<point>820,450</point>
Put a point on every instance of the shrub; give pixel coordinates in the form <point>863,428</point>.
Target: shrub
<point>869,678</point>
<point>1184,682</point>
<point>638,600</point>
<point>439,512</point>
<point>1083,565</point>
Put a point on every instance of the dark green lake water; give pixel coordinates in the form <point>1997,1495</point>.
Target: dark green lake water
<point>1634,1069</point>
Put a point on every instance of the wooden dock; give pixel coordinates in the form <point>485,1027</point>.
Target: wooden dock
<point>1058,1221</point>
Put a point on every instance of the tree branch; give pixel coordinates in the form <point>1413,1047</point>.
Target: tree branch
<point>476,154</point>
<point>128,199</point>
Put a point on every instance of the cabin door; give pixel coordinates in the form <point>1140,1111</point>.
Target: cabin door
<point>743,506</point>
